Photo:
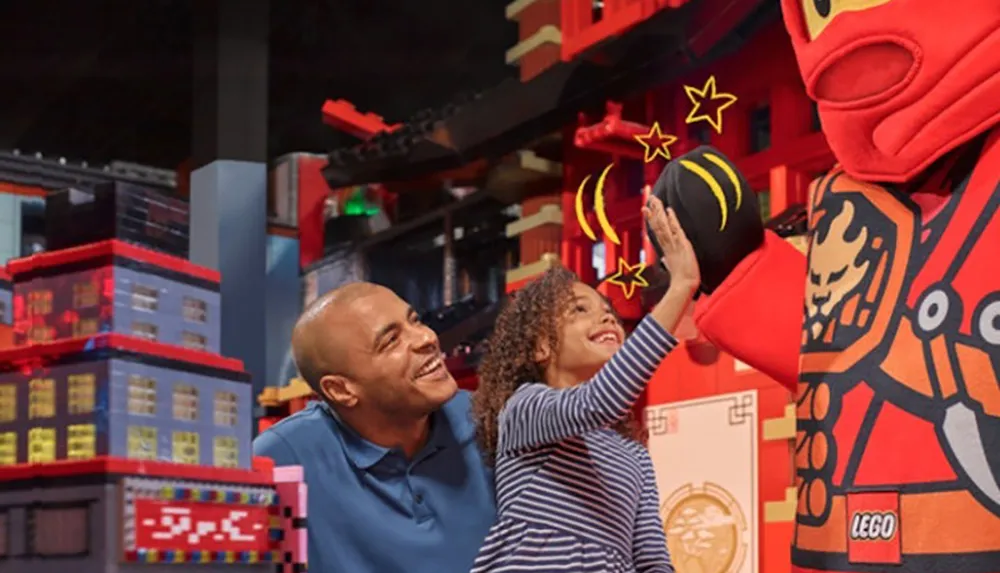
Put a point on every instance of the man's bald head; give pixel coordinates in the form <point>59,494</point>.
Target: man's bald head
<point>317,344</point>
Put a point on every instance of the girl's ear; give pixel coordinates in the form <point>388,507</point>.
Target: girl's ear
<point>543,352</point>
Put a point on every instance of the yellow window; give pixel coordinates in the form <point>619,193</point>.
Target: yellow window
<point>141,395</point>
<point>185,402</point>
<point>85,327</point>
<point>40,302</point>
<point>8,448</point>
<point>41,445</point>
<point>41,398</point>
<point>81,441</point>
<point>8,403</point>
<point>142,443</point>
<point>186,448</point>
<point>226,452</point>
<point>225,409</point>
<point>81,389</point>
<point>85,294</point>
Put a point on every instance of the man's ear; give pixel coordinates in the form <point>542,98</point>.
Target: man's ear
<point>339,390</point>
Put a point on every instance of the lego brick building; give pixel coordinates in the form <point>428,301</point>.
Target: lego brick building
<point>102,516</point>
<point>113,286</point>
<point>113,395</point>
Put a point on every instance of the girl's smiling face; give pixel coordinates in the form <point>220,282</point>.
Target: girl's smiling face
<point>589,335</point>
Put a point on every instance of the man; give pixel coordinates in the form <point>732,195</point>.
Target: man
<point>396,480</point>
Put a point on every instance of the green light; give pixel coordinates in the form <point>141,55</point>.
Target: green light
<point>357,205</point>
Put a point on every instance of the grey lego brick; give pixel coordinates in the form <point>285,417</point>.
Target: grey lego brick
<point>164,422</point>
<point>6,305</point>
<point>169,317</point>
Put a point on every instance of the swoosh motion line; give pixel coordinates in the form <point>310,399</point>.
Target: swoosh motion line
<point>602,216</point>
<point>713,185</point>
<point>715,159</point>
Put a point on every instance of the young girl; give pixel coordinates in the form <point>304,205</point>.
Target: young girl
<point>575,492</point>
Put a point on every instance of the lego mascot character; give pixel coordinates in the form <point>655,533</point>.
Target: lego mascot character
<point>895,363</point>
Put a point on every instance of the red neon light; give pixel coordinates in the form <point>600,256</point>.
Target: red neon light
<point>188,526</point>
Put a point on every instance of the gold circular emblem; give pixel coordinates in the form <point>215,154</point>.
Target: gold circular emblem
<point>705,529</point>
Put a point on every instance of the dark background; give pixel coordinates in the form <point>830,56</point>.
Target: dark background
<point>102,80</point>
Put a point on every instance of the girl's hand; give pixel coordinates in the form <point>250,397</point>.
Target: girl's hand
<point>678,254</point>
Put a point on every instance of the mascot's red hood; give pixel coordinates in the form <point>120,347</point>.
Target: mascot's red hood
<point>900,82</point>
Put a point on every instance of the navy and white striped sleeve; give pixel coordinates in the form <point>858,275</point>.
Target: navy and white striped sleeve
<point>649,542</point>
<point>537,414</point>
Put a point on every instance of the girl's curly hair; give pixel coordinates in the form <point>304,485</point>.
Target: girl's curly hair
<point>532,315</point>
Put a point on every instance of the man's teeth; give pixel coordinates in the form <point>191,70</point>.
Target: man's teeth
<point>430,367</point>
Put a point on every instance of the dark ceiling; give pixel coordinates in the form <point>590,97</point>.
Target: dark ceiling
<point>102,80</point>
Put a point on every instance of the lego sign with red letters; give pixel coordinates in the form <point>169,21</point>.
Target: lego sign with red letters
<point>873,528</point>
<point>200,526</point>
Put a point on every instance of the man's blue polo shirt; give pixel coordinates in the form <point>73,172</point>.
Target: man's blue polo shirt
<point>372,510</point>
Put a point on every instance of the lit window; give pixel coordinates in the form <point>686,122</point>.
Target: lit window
<point>81,389</point>
<point>8,403</point>
<point>145,298</point>
<point>59,531</point>
<point>193,340</point>
<point>41,445</point>
<point>195,310</point>
<point>141,395</point>
<point>186,448</point>
<point>40,302</point>
<point>81,441</point>
<point>185,402</point>
<point>41,398</point>
<point>145,330</point>
<point>85,327</point>
<point>41,334</point>
<point>84,295</point>
<point>226,452</point>
<point>141,443</point>
<point>225,408</point>
<point>8,448</point>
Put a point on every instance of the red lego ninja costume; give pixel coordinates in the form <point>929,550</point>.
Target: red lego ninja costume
<point>897,361</point>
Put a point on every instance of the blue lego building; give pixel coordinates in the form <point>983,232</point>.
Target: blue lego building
<point>123,397</point>
<point>113,286</point>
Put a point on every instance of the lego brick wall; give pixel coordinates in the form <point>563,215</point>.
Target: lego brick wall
<point>55,529</point>
<point>54,413</point>
<point>284,303</point>
<point>10,226</point>
<point>158,413</point>
<point>6,300</point>
<point>173,325</point>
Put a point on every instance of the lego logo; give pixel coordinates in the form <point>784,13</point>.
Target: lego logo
<point>873,526</point>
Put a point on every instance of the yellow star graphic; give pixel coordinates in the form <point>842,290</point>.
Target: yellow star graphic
<point>628,277</point>
<point>706,94</point>
<point>655,143</point>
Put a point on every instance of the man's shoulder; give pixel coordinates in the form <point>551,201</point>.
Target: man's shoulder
<point>286,441</point>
